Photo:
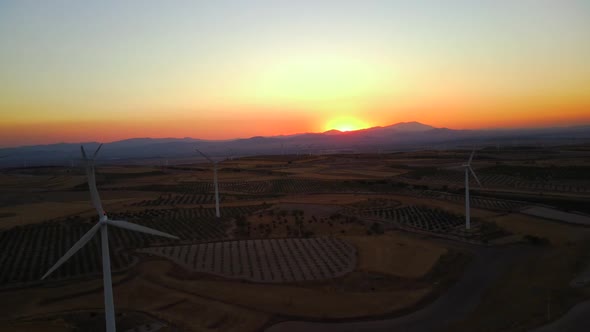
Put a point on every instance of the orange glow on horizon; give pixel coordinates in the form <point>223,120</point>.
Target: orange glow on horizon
<point>345,124</point>
<point>269,123</point>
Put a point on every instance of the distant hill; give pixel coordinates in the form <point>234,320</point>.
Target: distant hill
<point>395,137</point>
<point>405,127</point>
<point>401,127</point>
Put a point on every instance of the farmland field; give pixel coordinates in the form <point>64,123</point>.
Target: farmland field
<point>328,238</point>
<point>275,260</point>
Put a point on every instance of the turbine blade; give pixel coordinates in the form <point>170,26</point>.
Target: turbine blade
<point>204,155</point>
<point>74,249</point>
<point>471,157</point>
<point>94,196</point>
<point>138,228</point>
<point>475,176</point>
<point>96,152</point>
<point>83,152</point>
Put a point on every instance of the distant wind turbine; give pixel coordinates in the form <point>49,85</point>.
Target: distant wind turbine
<point>299,148</point>
<point>309,149</point>
<point>216,185</point>
<point>230,154</point>
<point>101,226</point>
<point>468,170</point>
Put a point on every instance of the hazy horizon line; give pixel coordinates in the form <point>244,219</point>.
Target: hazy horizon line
<point>533,127</point>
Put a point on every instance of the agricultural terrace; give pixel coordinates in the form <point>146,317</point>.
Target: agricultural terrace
<point>266,260</point>
<point>27,252</point>
<point>521,178</point>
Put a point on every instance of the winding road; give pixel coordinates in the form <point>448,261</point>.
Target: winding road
<point>575,320</point>
<point>455,304</point>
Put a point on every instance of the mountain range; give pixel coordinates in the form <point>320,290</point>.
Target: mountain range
<point>397,137</point>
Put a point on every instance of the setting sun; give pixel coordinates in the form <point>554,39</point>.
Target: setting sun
<point>346,124</point>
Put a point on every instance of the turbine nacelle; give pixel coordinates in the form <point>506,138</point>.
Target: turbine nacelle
<point>89,161</point>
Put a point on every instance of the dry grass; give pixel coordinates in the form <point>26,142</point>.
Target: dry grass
<point>396,254</point>
<point>318,228</point>
<point>73,203</point>
<point>548,213</point>
<point>325,173</point>
<point>128,169</point>
<point>189,312</point>
<point>454,207</point>
<point>253,162</point>
<point>55,325</point>
<point>323,176</point>
<point>557,233</point>
<point>331,199</point>
<point>20,182</point>
<point>299,301</point>
<point>203,304</point>
<point>35,213</point>
<point>366,173</point>
<point>196,314</point>
<point>302,170</point>
<point>145,180</point>
<point>35,301</point>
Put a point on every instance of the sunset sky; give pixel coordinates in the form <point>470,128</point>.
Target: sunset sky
<point>106,70</point>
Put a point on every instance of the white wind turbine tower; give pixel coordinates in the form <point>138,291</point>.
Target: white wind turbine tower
<point>101,226</point>
<point>215,184</point>
<point>468,170</point>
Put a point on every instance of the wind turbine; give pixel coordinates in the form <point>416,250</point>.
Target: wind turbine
<point>468,170</point>
<point>101,226</point>
<point>216,185</point>
<point>230,154</point>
